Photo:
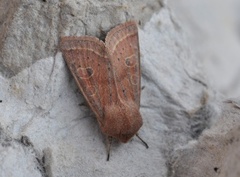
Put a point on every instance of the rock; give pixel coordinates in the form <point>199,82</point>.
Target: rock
<point>216,150</point>
<point>48,130</point>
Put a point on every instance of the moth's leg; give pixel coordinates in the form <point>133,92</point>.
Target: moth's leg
<point>83,104</point>
<point>109,144</point>
<point>142,140</point>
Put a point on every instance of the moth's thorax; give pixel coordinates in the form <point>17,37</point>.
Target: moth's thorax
<point>121,121</point>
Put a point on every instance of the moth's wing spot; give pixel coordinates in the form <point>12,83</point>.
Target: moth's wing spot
<point>89,71</point>
<point>90,90</point>
<point>85,73</point>
<point>134,79</point>
<point>127,61</point>
<point>131,61</point>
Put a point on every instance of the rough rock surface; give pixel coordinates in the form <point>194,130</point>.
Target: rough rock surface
<point>47,130</point>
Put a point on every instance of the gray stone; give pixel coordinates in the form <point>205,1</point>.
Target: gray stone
<point>46,129</point>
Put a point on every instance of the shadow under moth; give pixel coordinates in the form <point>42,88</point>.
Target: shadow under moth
<point>109,77</point>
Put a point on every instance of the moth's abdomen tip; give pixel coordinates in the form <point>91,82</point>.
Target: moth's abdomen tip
<point>123,123</point>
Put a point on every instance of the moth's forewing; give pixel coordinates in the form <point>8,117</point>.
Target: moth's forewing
<point>89,64</point>
<point>123,46</point>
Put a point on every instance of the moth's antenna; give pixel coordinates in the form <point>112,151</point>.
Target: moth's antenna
<point>142,140</point>
<point>109,144</point>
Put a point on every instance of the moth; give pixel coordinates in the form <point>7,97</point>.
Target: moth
<point>109,77</point>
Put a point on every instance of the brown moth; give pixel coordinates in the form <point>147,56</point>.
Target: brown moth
<point>108,75</point>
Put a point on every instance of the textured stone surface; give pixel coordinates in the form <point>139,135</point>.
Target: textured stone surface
<point>46,127</point>
<point>216,151</point>
<point>212,29</point>
<point>231,165</point>
<point>32,28</point>
<point>213,32</point>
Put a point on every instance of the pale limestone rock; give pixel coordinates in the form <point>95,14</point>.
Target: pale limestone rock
<point>46,130</point>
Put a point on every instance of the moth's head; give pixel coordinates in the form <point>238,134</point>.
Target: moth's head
<point>122,122</point>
